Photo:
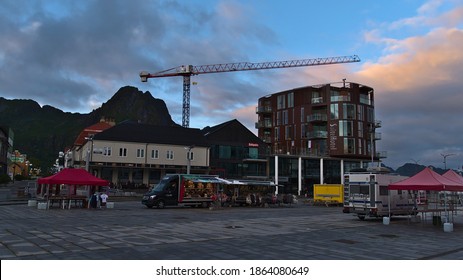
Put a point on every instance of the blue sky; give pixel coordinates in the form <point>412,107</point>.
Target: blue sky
<point>74,55</point>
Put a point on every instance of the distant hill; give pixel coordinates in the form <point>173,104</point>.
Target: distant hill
<point>42,132</point>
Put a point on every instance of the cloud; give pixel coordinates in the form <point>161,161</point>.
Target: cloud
<point>419,94</point>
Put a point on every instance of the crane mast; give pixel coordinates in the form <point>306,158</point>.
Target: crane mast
<point>189,70</point>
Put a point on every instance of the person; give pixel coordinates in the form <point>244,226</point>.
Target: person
<point>94,200</point>
<point>104,198</point>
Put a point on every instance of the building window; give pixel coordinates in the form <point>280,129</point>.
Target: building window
<point>277,134</point>
<point>170,155</point>
<point>281,102</point>
<point>302,115</point>
<point>154,154</point>
<point>107,151</point>
<point>370,115</point>
<point>303,131</point>
<point>140,153</point>
<point>122,152</point>
<point>360,146</point>
<point>349,146</point>
<point>278,114</point>
<point>288,132</point>
<point>334,111</point>
<point>360,112</point>
<point>190,155</point>
<point>285,117</point>
<point>290,99</point>
<point>346,128</point>
<point>365,99</point>
<point>253,153</point>
<point>348,111</point>
<point>224,152</point>
<point>360,129</point>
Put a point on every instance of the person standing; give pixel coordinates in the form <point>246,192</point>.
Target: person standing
<point>104,199</point>
<point>94,200</point>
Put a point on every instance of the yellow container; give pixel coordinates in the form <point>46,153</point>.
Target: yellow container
<point>328,193</point>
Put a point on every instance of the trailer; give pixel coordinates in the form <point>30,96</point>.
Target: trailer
<point>328,194</point>
<point>366,195</point>
<point>250,193</point>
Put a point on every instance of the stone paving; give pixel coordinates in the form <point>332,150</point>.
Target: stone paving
<point>131,231</point>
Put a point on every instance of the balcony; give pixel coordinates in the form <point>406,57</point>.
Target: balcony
<point>318,101</point>
<point>317,118</point>
<point>267,139</point>
<point>264,124</point>
<point>377,136</point>
<point>317,134</point>
<point>263,109</point>
<point>382,154</point>
<point>377,124</point>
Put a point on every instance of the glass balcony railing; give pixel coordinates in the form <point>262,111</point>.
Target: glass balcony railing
<point>317,134</point>
<point>317,118</point>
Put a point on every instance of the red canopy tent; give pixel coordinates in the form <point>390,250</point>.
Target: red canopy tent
<point>452,175</point>
<point>427,180</point>
<point>73,176</point>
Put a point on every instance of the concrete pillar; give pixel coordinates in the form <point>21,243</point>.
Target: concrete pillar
<point>342,171</point>
<point>299,176</point>
<point>321,171</point>
<point>276,174</point>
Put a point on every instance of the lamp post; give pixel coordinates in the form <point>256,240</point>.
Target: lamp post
<point>445,159</point>
<point>87,162</point>
<point>188,157</point>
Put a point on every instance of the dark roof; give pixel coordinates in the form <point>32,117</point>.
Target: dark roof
<point>231,132</point>
<point>158,134</point>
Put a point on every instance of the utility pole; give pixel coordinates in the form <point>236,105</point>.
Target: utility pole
<point>445,159</point>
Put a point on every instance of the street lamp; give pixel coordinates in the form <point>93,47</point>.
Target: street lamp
<point>445,159</point>
<point>87,162</point>
<point>188,157</point>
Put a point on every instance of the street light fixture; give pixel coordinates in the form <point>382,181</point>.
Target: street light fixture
<point>188,157</point>
<point>445,159</point>
<point>87,162</point>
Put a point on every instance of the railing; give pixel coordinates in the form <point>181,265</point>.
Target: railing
<point>264,124</point>
<point>317,134</point>
<point>263,109</point>
<point>317,117</point>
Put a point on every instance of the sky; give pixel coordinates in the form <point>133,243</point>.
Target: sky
<point>75,55</point>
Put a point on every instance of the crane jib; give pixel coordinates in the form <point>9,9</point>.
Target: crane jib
<point>188,70</point>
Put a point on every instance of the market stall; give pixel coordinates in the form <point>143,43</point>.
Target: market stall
<point>434,183</point>
<point>67,186</point>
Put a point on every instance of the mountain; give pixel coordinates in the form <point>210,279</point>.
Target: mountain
<point>42,132</point>
<point>410,169</point>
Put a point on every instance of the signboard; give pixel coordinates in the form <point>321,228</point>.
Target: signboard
<point>333,134</point>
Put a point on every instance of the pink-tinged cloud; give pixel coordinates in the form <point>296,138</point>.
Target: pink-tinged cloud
<point>419,97</point>
<point>420,62</point>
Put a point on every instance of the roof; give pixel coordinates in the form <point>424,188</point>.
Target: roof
<point>73,176</point>
<point>91,130</point>
<point>147,133</point>
<point>231,132</point>
<point>427,180</point>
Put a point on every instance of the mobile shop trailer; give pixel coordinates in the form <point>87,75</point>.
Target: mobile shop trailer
<point>367,194</point>
<point>184,190</point>
<point>203,190</point>
<point>250,193</point>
